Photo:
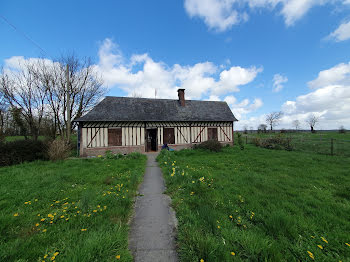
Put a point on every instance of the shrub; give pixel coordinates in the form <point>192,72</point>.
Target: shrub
<point>276,142</point>
<point>240,141</point>
<point>212,145</point>
<point>58,150</point>
<point>19,151</point>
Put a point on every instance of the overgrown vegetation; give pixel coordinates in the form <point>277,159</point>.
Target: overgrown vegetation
<point>58,149</point>
<point>72,210</point>
<point>240,141</point>
<point>211,145</point>
<point>276,142</point>
<point>259,205</point>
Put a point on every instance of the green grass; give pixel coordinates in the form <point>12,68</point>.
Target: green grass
<point>319,142</point>
<point>263,205</point>
<point>92,194</point>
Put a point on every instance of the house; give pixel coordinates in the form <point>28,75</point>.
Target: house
<point>126,124</point>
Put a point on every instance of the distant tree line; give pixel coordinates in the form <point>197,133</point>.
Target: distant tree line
<point>33,100</point>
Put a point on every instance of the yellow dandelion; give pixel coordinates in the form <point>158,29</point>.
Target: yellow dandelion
<point>324,240</point>
<point>117,257</point>
<point>38,215</point>
<point>67,219</point>
<point>25,203</point>
<point>233,253</point>
<point>55,254</point>
<point>83,229</point>
<point>45,256</point>
<point>37,224</point>
<point>219,227</point>
<point>230,216</point>
<point>43,219</point>
<point>347,244</point>
<point>311,255</point>
<point>94,211</point>
<point>51,222</point>
<point>15,214</point>
<point>44,230</point>
<point>62,216</point>
<point>320,247</point>
<point>202,260</point>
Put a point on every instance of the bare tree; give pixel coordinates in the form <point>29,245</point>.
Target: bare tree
<point>312,121</point>
<point>262,128</point>
<point>85,88</point>
<point>274,118</point>
<point>40,91</point>
<point>22,90</point>
<point>296,124</point>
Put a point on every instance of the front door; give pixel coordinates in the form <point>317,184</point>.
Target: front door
<point>151,140</point>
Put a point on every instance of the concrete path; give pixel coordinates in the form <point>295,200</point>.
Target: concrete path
<point>152,234</point>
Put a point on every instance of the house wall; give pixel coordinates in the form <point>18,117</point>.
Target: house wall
<point>94,135</point>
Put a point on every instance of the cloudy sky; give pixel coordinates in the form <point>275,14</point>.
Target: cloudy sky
<point>259,56</point>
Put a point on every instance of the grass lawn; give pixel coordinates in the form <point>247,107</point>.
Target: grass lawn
<point>259,204</point>
<point>319,142</point>
<point>74,210</point>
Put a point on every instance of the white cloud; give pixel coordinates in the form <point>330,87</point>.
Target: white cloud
<point>278,81</point>
<point>142,75</point>
<point>244,107</point>
<point>342,33</point>
<point>221,15</point>
<point>339,74</point>
<point>217,14</point>
<point>329,99</point>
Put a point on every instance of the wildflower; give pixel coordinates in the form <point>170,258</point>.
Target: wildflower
<point>26,203</point>
<point>104,207</point>
<point>36,200</point>
<point>51,222</point>
<point>230,216</point>
<point>62,216</point>
<point>202,260</point>
<point>83,229</point>
<point>218,227</point>
<point>324,240</point>
<point>78,212</point>
<point>37,224</point>
<point>320,247</point>
<point>38,215</point>
<point>233,253</point>
<point>165,162</point>
<point>117,257</point>
<point>193,182</point>
<point>67,219</point>
<point>311,255</point>
<point>94,211</point>
<point>347,244</point>
<point>99,156</point>
<point>15,214</point>
<point>313,236</point>
<point>43,219</point>
<point>44,230</point>
<point>45,256</point>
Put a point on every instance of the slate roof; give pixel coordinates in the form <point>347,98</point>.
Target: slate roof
<point>146,109</point>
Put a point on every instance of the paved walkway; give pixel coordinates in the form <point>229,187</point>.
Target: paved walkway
<point>152,234</point>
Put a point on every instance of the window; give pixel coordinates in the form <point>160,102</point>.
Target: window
<point>168,136</point>
<point>115,137</point>
<point>212,133</point>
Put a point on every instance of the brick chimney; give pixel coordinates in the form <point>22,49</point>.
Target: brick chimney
<point>181,93</point>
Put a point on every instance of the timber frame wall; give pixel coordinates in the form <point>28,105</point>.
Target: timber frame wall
<point>94,135</point>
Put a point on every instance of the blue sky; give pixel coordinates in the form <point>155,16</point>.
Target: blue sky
<point>258,55</point>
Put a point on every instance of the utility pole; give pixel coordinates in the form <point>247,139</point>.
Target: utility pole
<point>68,107</point>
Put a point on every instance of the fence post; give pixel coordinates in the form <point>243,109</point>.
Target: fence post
<point>332,146</point>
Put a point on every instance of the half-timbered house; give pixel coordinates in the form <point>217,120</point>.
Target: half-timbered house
<point>125,124</point>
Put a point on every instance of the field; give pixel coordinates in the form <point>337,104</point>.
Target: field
<point>326,143</point>
<point>74,210</point>
<point>259,204</point>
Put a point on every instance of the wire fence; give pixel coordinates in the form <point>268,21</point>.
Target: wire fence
<point>325,146</point>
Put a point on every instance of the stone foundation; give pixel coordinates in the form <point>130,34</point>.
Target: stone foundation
<point>95,151</point>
